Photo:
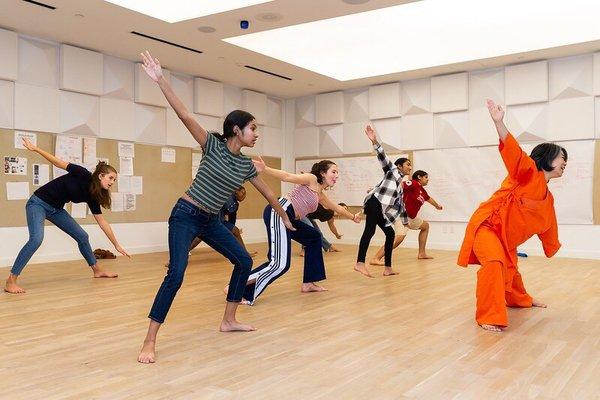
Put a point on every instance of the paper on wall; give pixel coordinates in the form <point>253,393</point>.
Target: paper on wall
<point>196,158</point>
<point>89,151</point>
<point>129,200</point>
<point>137,185</point>
<point>69,149</point>
<point>79,210</point>
<point>126,149</point>
<point>15,165</point>
<point>17,190</point>
<point>116,202</point>
<point>126,166</point>
<point>124,183</point>
<point>167,155</point>
<point>41,174</point>
<point>19,136</point>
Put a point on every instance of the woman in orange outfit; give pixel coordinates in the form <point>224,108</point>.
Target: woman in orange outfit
<point>521,208</point>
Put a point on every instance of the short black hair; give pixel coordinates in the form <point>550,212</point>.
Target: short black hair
<point>543,154</point>
<point>400,161</point>
<point>418,174</point>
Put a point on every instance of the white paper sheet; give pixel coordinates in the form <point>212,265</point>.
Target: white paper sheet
<point>89,151</point>
<point>126,166</point>
<point>167,154</point>
<point>78,210</point>
<point>41,174</point>
<point>124,183</point>
<point>15,165</point>
<point>196,158</point>
<point>116,202</point>
<point>137,183</point>
<point>17,190</point>
<point>129,200</point>
<point>19,136</point>
<point>69,149</point>
<point>126,149</point>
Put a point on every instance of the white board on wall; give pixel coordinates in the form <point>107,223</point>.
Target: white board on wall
<point>460,191</point>
<point>357,175</point>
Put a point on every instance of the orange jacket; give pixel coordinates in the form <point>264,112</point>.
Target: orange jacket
<point>522,207</point>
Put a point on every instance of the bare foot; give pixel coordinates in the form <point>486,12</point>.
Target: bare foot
<point>147,354</point>
<point>492,328</point>
<point>360,267</point>
<point>13,288</point>
<point>234,326</point>
<point>375,261</point>
<point>535,303</point>
<point>388,271</point>
<point>104,274</point>
<point>311,287</point>
<point>301,254</point>
<point>424,257</point>
<point>333,249</point>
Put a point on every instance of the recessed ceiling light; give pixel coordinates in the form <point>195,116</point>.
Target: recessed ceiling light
<point>269,17</point>
<point>181,10</point>
<point>353,2</point>
<point>426,34</point>
<point>206,29</point>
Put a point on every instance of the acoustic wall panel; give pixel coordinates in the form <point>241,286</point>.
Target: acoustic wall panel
<point>449,92</point>
<point>81,70</point>
<point>304,111</point>
<point>183,86</point>
<point>389,133</point>
<point>37,108</point>
<point>355,140</point>
<point>208,98</point>
<point>416,131</point>
<point>7,103</point>
<point>256,104</point>
<point>416,96</point>
<point>529,122</point>
<point>10,55</point>
<point>329,108</point>
<point>274,113</point>
<point>526,83</point>
<point>571,77</point>
<point>306,142</point>
<point>146,91</point>
<point>356,105</point>
<point>117,119</point>
<point>38,63</point>
<point>451,129</point>
<point>484,85</point>
<point>384,101</point>
<point>571,119</point>
<point>150,124</point>
<point>331,140</point>
<point>118,78</point>
<point>79,114</point>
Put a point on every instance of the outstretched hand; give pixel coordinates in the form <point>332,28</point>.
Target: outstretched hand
<point>357,218</point>
<point>496,111</point>
<point>370,132</point>
<point>122,251</point>
<point>259,164</point>
<point>28,145</point>
<point>151,66</point>
<point>439,207</point>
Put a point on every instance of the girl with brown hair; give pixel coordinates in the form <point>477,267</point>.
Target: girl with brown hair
<point>78,186</point>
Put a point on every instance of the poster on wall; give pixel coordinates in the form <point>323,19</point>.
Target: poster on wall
<point>69,149</point>
<point>41,174</point>
<point>15,165</point>
<point>19,136</point>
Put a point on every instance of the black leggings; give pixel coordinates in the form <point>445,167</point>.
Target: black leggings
<point>374,214</point>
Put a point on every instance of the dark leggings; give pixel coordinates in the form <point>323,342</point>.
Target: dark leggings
<point>374,214</point>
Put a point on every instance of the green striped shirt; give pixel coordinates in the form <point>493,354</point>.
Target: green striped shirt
<point>220,173</point>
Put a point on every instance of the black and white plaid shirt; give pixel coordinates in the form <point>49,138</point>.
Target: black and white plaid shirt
<point>389,190</point>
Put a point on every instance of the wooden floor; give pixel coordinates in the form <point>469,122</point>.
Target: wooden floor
<point>404,337</point>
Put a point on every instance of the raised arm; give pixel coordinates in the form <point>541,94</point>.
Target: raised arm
<point>434,203</point>
<point>268,194</point>
<point>57,162</point>
<point>330,205</point>
<point>497,114</point>
<point>154,71</point>
<point>105,226</point>
<point>383,159</point>
<point>298,179</point>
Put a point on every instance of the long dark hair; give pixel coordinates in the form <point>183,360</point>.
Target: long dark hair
<point>97,192</point>
<point>321,168</point>
<point>239,118</point>
<point>543,154</point>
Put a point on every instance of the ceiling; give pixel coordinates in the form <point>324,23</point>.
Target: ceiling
<point>105,27</point>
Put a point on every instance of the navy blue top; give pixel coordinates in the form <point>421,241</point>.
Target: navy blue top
<point>230,209</point>
<point>73,187</point>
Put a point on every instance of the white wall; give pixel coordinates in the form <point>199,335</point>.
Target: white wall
<point>86,93</point>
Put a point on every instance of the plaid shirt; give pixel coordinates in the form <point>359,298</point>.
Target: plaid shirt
<point>389,190</point>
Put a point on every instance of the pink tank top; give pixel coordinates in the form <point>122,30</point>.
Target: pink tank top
<point>304,200</point>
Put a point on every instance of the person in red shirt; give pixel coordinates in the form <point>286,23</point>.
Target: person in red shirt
<point>414,197</point>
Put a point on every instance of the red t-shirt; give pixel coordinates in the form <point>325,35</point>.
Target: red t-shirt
<point>414,196</point>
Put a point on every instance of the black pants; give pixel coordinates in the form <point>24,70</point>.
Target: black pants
<point>374,214</point>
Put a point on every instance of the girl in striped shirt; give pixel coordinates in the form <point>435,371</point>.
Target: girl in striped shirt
<point>222,170</point>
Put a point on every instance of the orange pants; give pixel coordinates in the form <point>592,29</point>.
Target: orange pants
<point>499,283</point>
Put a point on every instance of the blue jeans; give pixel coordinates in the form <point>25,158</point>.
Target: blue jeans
<point>279,251</point>
<point>185,223</point>
<point>326,244</point>
<point>37,211</point>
